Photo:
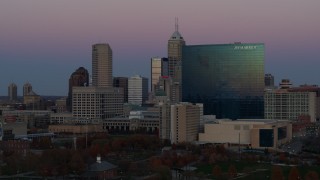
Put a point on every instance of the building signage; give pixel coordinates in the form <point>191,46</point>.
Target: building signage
<point>245,47</point>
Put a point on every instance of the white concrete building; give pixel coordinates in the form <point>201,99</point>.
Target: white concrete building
<point>282,104</point>
<point>137,90</point>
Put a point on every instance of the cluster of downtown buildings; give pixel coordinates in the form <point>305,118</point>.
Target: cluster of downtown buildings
<point>207,93</point>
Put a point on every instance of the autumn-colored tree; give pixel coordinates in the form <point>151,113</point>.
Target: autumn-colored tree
<point>124,165</point>
<point>216,171</point>
<point>94,150</point>
<point>311,175</point>
<point>76,164</point>
<point>294,174</point>
<point>232,172</point>
<point>277,173</point>
<point>155,162</point>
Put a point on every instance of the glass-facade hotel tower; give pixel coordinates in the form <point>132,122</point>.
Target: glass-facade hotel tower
<point>227,78</point>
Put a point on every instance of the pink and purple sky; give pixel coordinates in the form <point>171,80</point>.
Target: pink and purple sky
<point>44,41</point>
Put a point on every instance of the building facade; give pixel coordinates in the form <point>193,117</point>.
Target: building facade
<point>175,45</point>
<point>268,81</point>
<point>122,82</point>
<point>97,102</point>
<point>78,78</point>
<point>27,88</point>
<point>282,104</point>
<point>185,121</point>
<point>137,90</point>
<point>227,78</point>
<point>101,65</point>
<point>159,68</point>
<point>258,133</point>
<point>12,92</point>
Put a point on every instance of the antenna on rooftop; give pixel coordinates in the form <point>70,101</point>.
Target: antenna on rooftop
<point>176,24</point>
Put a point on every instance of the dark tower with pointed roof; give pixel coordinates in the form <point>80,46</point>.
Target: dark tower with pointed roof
<point>175,44</point>
<point>78,78</point>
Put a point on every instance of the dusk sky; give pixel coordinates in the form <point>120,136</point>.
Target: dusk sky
<point>43,42</point>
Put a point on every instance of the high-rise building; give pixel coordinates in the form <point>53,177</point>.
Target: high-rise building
<point>101,65</point>
<point>12,92</point>
<point>101,100</point>
<point>175,45</point>
<point>227,78</point>
<point>137,90</point>
<point>159,68</point>
<point>122,82</point>
<point>268,80</point>
<point>78,78</point>
<point>170,88</point>
<point>185,121</point>
<point>27,88</point>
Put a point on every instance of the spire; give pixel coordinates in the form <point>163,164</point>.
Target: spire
<point>176,25</point>
<point>176,35</point>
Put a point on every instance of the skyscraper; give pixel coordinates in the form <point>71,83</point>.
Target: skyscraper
<point>78,78</point>
<point>101,65</point>
<point>159,68</point>
<point>27,88</point>
<point>227,78</point>
<point>137,90</point>
<point>101,100</point>
<point>12,92</point>
<point>175,45</point>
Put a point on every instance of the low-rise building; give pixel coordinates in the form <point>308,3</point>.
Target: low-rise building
<point>259,133</point>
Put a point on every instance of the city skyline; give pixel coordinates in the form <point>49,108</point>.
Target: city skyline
<point>43,42</point>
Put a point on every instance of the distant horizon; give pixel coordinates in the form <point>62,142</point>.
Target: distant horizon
<point>44,42</point>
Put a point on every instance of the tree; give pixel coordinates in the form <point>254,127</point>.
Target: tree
<point>232,172</point>
<point>76,164</point>
<point>216,171</point>
<point>311,175</point>
<point>294,174</point>
<point>277,173</point>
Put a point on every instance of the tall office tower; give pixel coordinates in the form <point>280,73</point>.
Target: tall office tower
<point>185,121</point>
<point>78,78</point>
<point>175,45</point>
<point>101,65</point>
<point>268,80</point>
<point>122,82</point>
<point>27,88</point>
<point>159,68</point>
<point>137,90</point>
<point>101,100</point>
<point>227,78</point>
<point>12,92</point>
